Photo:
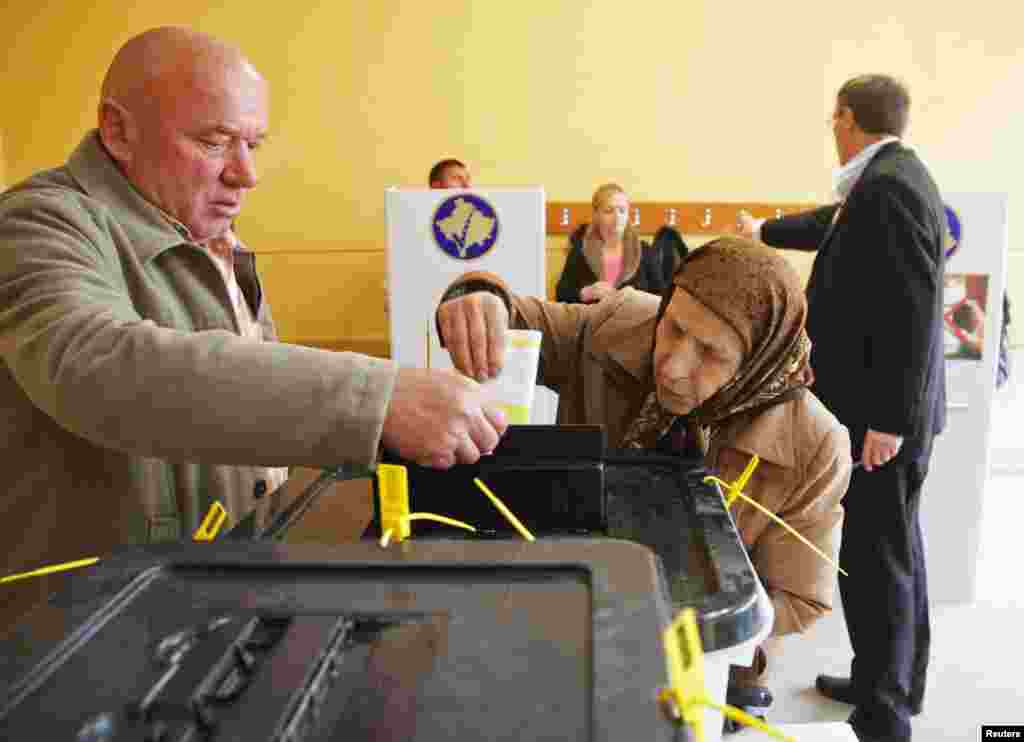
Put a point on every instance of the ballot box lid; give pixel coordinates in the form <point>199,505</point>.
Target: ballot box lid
<point>422,640</point>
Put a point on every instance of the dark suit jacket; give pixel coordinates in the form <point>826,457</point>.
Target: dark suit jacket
<point>875,300</point>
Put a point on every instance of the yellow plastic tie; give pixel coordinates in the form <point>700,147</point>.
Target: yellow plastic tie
<point>441,519</point>
<point>509,516</point>
<point>211,524</point>
<point>386,538</point>
<point>393,488</point>
<point>685,659</point>
<point>735,491</point>
<point>747,720</point>
<point>684,656</point>
<point>63,567</point>
<point>736,488</point>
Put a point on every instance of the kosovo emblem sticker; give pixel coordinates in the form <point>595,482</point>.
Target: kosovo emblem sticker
<point>954,231</point>
<point>465,226</point>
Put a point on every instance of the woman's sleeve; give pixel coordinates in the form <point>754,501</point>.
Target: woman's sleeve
<point>570,282</point>
<point>799,582</point>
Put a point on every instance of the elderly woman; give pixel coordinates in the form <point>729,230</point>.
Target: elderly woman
<point>607,254</point>
<point>728,378</point>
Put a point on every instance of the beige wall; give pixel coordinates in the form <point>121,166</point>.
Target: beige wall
<point>3,164</point>
<point>694,100</point>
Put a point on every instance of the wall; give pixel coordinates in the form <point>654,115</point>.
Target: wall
<point>694,100</point>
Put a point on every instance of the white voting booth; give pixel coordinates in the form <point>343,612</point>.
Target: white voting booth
<point>437,235</point>
<point>954,489</point>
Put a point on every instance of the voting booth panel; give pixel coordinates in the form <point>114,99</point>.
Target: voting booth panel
<point>973,307</point>
<point>436,235</point>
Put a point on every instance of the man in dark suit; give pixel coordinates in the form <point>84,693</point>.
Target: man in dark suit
<point>875,321</point>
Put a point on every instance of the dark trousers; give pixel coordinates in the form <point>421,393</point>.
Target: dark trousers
<point>885,598</point>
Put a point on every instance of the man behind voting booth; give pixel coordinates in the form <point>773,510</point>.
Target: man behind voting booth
<point>726,378</point>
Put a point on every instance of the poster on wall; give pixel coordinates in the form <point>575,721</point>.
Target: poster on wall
<point>965,303</point>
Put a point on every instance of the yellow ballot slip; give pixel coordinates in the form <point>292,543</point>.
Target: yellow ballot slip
<point>513,389</point>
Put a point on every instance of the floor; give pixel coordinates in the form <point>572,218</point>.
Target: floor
<point>977,649</point>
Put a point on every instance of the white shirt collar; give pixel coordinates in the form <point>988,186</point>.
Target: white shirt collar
<point>844,178</point>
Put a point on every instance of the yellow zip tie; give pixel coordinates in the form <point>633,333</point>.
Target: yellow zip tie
<point>504,510</point>
<point>393,491</point>
<point>734,491</point>
<point>50,570</point>
<point>386,538</point>
<point>441,519</point>
<point>744,718</point>
<point>736,488</point>
<point>687,692</point>
<point>211,524</point>
<point>685,659</point>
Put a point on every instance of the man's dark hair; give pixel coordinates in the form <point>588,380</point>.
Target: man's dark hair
<point>880,103</point>
<point>437,172</point>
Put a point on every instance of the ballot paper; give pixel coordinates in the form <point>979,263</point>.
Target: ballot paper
<point>513,388</point>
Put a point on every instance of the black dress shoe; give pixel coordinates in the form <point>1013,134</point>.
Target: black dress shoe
<point>865,737</point>
<point>836,688</point>
<point>753,700</point>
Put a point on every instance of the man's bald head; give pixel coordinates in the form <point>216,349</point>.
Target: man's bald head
<point>164,60</point>
<point>180,112</point>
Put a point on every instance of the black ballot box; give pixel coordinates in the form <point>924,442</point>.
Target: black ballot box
<point>259,636</point>
<point>562,481</point>
<point>425,640</point>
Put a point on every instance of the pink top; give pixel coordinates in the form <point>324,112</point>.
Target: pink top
<point>612,268</point>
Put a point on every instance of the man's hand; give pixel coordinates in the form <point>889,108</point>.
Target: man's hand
<point>879,448</point>
<point>747,226</point>
<point>438,418</point>
<point>595,292</point>
<point>473,329</point>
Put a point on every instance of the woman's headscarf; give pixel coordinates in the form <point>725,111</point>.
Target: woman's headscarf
<point>755,291</point>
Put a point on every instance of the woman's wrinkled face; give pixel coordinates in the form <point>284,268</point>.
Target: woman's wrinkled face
<point>696,353</point>
<point>612,216</point>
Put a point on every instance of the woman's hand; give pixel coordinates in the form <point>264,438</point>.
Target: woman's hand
<point>595,292</point>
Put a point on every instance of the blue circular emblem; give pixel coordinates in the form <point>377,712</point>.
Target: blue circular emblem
<point>465,226</point>
<point>954,232</point>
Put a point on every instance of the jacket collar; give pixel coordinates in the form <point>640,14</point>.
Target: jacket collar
<point>593,254</point>
<point>150,230</point>
<point>890,148</point>
<point>769,435</point>
<point>845,176</point>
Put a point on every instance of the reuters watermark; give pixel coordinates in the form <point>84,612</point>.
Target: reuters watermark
<point>1002,731</point>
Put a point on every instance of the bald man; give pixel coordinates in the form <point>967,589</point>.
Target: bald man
<point>141,378</point>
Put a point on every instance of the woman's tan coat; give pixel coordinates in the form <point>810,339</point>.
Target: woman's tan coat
<point>598,358</point>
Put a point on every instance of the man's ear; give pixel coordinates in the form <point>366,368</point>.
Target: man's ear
<point>117,130</point>
<point>846,118</point>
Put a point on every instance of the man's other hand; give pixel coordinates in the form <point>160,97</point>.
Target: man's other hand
<point>879,448</point>
<point>473,329</point>
<point>439,419</point>
<point>747,226</point>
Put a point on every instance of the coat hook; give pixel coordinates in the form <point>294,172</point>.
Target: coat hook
<point>636,217</point>
<point>707,218</point>
<point>565,217</point>
<point>778,213</point>
<point>671,217</point>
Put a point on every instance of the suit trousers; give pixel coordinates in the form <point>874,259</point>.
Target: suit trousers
<point>885,596</point>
